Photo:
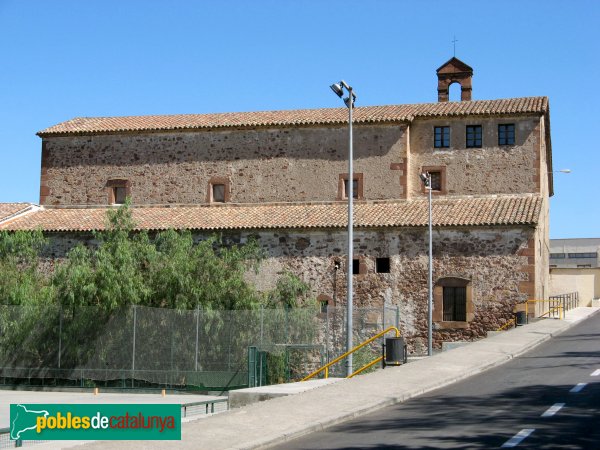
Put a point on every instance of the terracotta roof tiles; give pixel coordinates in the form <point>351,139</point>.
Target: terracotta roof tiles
<point>324,116</point>
<point>458,211</point>
<point>8,210</point>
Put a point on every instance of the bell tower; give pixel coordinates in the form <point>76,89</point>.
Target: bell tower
<point>454,71</point>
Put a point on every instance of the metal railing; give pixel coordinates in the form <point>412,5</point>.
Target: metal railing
<point>554,307</point>
<point>326,367</point>
<point>509,323</point>
<point>568,301</point>
<point>204,408</point>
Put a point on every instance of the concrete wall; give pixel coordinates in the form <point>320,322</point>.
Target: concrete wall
<point>584,281</point>
<point>486,256</point>
<point>491,169</point>
<point>261,165</point>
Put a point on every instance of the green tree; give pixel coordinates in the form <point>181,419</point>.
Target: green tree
<point>21,280</point>
<point>290,292</point>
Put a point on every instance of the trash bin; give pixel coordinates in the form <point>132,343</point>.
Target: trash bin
<point>521,317</point>
<point>395,351</point>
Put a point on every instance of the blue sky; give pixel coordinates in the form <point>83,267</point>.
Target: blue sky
<point>68,58</point>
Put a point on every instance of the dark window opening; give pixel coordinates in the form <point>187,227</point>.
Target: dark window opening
<point>474,136</point>
<point>455,304</point>
<point>441,137</point>
<point>506,134</point>
<point>584,266</point>
<point>583,255</point>
<point>382,265</point>
<point>119,195</point>
<point>558,255</point>
<point>354,188</point>
<point>323,304</point>
<point>355,266</point>
<point>218,193</point>
<point>436,181</point>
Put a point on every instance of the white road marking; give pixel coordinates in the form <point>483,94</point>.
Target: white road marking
<point>553,410</point>
<point>595,373</point>
<point>517,438</point>
<point>578,387</point>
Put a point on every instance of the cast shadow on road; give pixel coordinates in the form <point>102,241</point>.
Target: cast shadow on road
<point>456,422</point>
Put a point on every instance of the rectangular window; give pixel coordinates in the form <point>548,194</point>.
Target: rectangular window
<point>436,181</point>
<point>382,265</point>
<point>584,266</point>
<point>218,193</point>
<point>355,266</point>
<point>323,305</point>
<point>354,188</point>
<point>455,304</point>
<point>557,256</point>
<point>474,136</point>
<point>441,137</point>
<point>506,134</point>
<point>357,186</point>
<point>583,255</point>
<point>119,194</point>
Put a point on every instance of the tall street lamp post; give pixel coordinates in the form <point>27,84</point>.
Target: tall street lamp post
<point>426,179</point>
<point>338,88</point>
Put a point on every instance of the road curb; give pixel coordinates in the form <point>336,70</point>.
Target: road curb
<point>333,421</point>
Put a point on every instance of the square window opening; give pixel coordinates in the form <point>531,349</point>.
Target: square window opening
<point>506,134</point>
<point>382,265</point>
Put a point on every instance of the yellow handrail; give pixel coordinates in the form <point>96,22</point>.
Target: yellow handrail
<point>560,311</point>
<point>358,347</point>
<point>366,366</point>
<point>506,325</point>
<point>559,307</point>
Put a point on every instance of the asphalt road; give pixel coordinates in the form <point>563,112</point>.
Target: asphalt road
<point>548,398</point>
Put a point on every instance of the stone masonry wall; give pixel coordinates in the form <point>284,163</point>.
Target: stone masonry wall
<point>261,165</point>
<point>486,256</point>
<point>491,169</point>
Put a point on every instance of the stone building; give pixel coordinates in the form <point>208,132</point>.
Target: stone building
<point>281,176</point>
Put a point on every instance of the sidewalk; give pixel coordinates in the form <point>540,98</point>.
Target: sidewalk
<point>284,418</point>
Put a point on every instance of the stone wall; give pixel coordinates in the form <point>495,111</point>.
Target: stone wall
<point>491,169</point>
<point>486,256</point>
<point>261,165</point>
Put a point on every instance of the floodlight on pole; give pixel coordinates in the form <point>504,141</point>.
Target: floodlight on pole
<point>338,89</point>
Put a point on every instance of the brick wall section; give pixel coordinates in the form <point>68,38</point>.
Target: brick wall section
<point>44,185</point>
<point>528,285</point>
<point>263,165</point>
<point>485,256</point>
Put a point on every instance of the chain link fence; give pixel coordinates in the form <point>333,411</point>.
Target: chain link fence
<point>142,347</point>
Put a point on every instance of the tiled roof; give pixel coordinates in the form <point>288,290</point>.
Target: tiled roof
<point>366,114</point>
<point>458,211</point>
<point>8,210</point>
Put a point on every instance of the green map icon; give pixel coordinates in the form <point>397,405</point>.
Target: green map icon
<point>23,419</point>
